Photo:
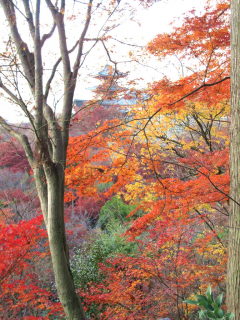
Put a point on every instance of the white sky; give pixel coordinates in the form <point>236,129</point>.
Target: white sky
<point>153,21</point>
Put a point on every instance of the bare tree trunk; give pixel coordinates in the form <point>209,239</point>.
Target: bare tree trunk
<point>58,246</point>
<point>233,271</point>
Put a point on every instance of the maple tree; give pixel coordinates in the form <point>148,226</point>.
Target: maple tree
<point>21,288</point>
<point>184,200</point>
<point>172,163</point>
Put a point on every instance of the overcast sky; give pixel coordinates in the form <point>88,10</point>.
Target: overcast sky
<point>153,21</point>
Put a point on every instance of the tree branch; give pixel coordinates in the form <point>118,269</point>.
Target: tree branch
<point>38,73</point>
<point>48,35</point>
<point>20,137</point>
<point>70,84</point>
<point>29,17</point>
<point>25,55</point>
<point>54,71</point>
<point>58,19</point>
<point>18,102</point>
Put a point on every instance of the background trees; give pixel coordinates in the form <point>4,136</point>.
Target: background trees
<point>160,175</point>
<point>171,161</point>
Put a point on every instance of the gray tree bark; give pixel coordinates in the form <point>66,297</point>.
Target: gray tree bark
<point>233,270</point>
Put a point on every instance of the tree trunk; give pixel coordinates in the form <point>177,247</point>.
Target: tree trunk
<point>233,271</point>
<point>58,246</point>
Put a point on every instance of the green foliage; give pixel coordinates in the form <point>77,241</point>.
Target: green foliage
<point>114,210</point>
<point>102,187</point>
<point>85,264</point>
<point>3,204</point>
<point>224,234</point>
<point>104,245</point>
<point>210,308</point>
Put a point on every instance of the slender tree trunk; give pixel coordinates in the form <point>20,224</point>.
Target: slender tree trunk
<point>47,156</point>
<point>233,271</point>
<point>57,242</point>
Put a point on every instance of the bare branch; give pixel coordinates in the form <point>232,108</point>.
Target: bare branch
<point>29,17</point>
<point>58,19</point>
<point>20,137</point>
<point>48,85</point>
<point>108,54</point>
<point>81,40</point>
<point>127,44</point>
<point>17,101</point>
<point>70,84</point>
<point>26,57</point>
<point>209,226</point>
<point>48,35</point>
<point>38,72</point>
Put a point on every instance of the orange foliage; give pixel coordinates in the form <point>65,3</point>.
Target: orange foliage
<point>171,160</point>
